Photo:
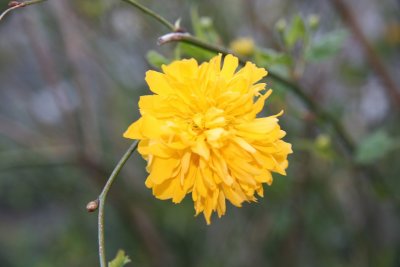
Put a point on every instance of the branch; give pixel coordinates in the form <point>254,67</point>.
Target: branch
<point>373,59</point>
<point>15,4</point>
<point>100,202</point>
<point>153,14</point>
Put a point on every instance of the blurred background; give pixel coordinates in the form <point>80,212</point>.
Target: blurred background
<point>71,73</point>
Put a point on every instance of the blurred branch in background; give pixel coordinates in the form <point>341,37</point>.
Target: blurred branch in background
<point>18,133</point>
<point>373,59</point>
<point>77,52</point>
<point>48,71</point>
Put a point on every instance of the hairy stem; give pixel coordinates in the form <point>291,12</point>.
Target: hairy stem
<point>102,199</point>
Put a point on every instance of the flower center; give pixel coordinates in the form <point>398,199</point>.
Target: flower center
<point>211,119</point>
<point>210,126</point>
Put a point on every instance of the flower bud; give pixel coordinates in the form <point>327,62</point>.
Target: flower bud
<point>323,141</point>
<point>313,21</point>
<point>243,46</point>
<point>206,22</point>
<point>92,205</point>
<point>13,3</point>
<point>281,25</point>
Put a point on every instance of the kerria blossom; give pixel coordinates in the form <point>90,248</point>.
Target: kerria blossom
<point>200,134</point>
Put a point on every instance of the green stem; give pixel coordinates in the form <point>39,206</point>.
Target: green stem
<point>102,200</point>
<point>19,5</point>
<point>151,13</point>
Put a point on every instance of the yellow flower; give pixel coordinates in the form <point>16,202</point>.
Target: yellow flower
<point>199,134</point>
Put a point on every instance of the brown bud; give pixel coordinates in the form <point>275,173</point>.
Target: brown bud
<point>92,205</point>
<point>13,3</point>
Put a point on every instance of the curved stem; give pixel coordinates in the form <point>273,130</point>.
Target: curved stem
<point>102,200</point>
<point>153,14</point>
<point>374,60</point>
<point>15,4</point>
<point>8,10</point>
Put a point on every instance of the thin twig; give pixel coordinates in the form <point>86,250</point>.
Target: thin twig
<point>151,13</point>
<point>15,4</point>
<point>102,199</point>
<point>132,214</point>
<point>373,59</point>
<point>10,9</point>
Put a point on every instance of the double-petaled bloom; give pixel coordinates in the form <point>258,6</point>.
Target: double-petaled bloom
<point>200,134</point>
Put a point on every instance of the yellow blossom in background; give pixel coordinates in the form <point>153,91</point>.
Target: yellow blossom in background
<point>199,134</point>
<point>243,46</point>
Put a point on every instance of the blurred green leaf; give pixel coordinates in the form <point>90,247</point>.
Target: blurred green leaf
<point>120,260</point>
<point>326,46</point>
<point>296,31</point>
<point>193,51</point>
<point>374,147</point>
<point>156,59</point>
<point>270,57</point>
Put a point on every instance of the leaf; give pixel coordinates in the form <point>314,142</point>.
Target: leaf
<point>198,53</point>
<point>326,46</point>
<point>296,31</point>
<point>270,57</point>
<point>374,147</point>
<point>156,59</point>
<point>120,260</point>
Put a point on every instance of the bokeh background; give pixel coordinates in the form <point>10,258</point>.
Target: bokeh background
<point>71,73</point>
